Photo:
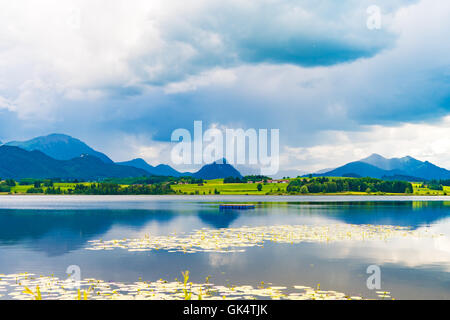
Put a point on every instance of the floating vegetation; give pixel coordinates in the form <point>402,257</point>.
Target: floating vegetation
<point>236,239</point>
<point>20,286</point>
<point>384,294</point>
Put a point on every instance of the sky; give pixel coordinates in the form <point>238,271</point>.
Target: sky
<point>123,75</point>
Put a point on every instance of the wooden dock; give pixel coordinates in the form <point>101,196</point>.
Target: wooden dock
<point>237,206</point>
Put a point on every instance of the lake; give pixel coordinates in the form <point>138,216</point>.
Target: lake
<point>324,243</point>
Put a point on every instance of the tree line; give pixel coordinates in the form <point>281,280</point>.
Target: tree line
<point>330,185</point>
<point>436,184</point>
<point>252,178</point>
<point>107,188</point>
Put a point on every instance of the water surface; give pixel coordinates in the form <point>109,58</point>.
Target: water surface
<point>46,234</point>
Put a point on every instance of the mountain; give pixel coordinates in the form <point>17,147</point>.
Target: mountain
<point>358,169</point>
<point>324,170</point>
<point>409,166</point>
<point>217,170</point>
<point>377,166</point>
<point>60,147</point>
<point>406,163</point>
<point>166,170</point>
<point>288,173</point>
<point>247,170</point>
<point>159,170</point>
<point>18,163</point>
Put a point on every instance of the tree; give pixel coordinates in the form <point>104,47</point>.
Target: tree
<point>346,186</point>
<point>259,187</point>
<point>304,190</point>
<point>331,187</point>
<point>48,183</point>
<point>5,188</point>
<point>10,182</point>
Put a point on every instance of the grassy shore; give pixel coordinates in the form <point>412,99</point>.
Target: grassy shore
<point>217,186</point>
<point>22,189</point>
<point>275,188</point>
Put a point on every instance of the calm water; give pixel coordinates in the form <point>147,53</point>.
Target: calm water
<point>44,235</point>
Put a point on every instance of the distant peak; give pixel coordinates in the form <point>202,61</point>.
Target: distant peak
<point>375,156</point>
<point>221,161</point>
<point>58,135</point>
<point>138,160</point>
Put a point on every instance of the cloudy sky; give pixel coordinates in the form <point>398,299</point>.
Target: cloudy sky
<point>122,75</point>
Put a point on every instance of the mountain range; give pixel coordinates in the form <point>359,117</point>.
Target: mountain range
<point>59,147</point>
<point>376,166</point>
<point>159,170</point>
<point>62,156</point>
<point>18,163</point>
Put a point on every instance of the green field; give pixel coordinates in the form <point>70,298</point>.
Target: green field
<point>425,191</point>
<point>273,188</point>
<point>230,188</point>
<point>218,187</point>
<point>63,185</point>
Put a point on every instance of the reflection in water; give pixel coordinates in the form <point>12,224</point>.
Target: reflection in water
<point>400,213</point>
<point>73,228</point>
<point>45,240</point>
<point>219,220</point>
<point>67,230</point>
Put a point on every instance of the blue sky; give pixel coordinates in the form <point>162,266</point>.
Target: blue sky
<point>122,76</point>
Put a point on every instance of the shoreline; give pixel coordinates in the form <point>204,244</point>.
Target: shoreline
<point>224,195</point>
<point>252,198</point>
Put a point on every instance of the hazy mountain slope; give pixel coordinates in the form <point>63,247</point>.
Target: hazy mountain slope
<point>361,169</point>
<point>159,170</point>
<point>60,147</point>
<point>405,164</point>
<point>18,163</point>
<point>138,163</point>
<point>166,170</point>
<point>377,166</point>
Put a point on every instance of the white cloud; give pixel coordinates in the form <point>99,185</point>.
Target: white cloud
<point>80,46</point>
<point>220,77</point>
<point>235,62</point>
<point>426,142</point>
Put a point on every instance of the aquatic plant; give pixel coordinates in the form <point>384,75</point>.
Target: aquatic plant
<point>228,240</point>
<point>52,288</point>
<point>36,295</point>
<point>187,295</point>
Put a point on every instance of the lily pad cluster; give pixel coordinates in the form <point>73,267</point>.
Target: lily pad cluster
<point>237,239</point>
<point>25,286</point>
